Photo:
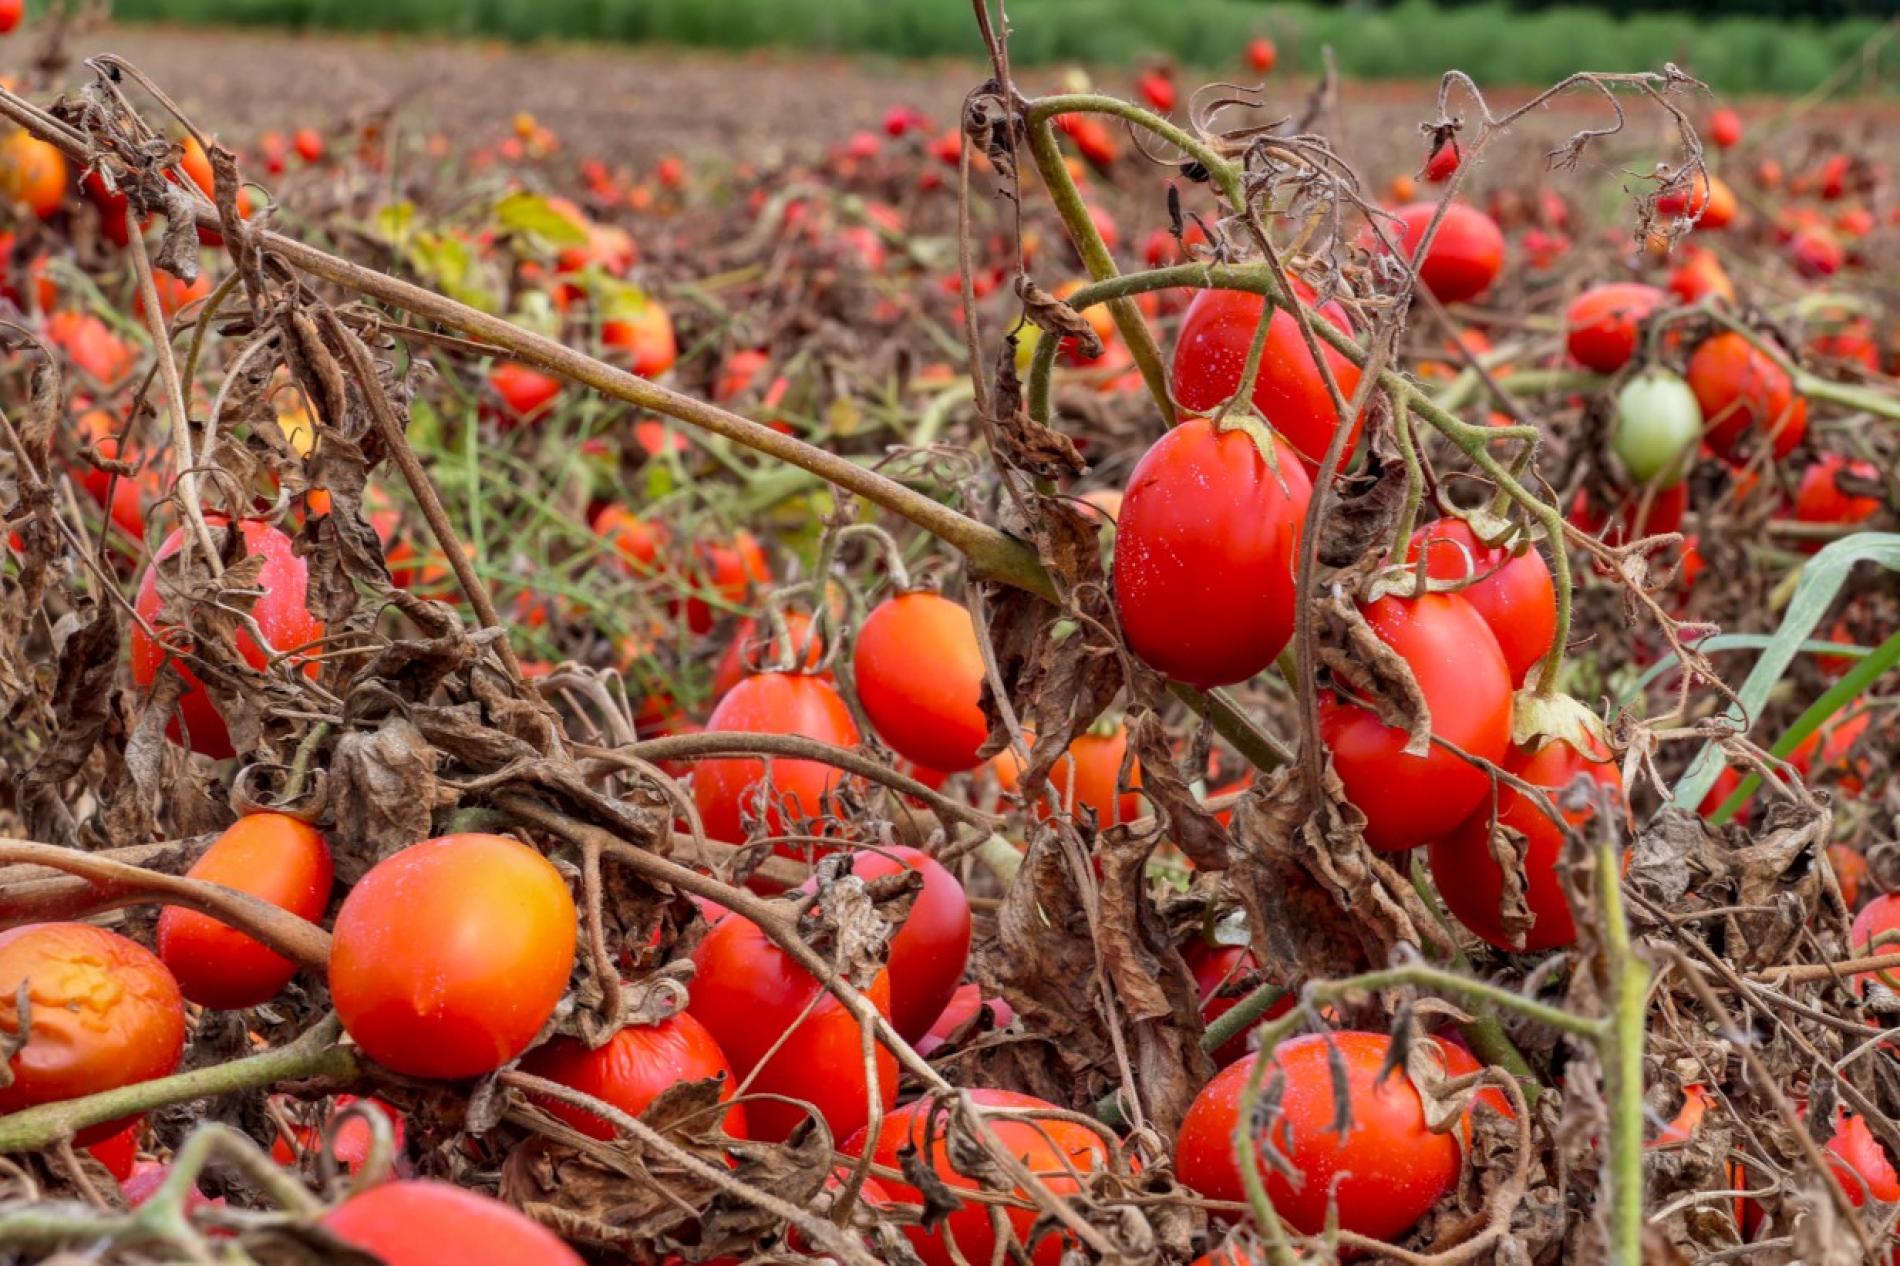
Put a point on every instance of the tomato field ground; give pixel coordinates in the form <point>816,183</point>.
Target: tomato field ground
<point>631,655</point>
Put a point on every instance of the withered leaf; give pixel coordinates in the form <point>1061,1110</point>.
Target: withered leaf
<point>381,794</point>
<point>1372,671</point>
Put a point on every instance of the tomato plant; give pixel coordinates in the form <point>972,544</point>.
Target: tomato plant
<point>1466,254</point>
<point>634,1067</point>
<point>726,789</point>
<point>919,673</point>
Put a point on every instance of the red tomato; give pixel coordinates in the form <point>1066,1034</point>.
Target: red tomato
<point>1158,87</point>
<point>1210,358</point>
<point>645,333</point>
<point>1085,778</point>
<point>1878,920</point>
<point>448,957</point>
<point>1708,201</point>
<point>91,346</point>
<point>1060,1153</point>
<point>1469,877</point>
<point>1224,974</point>
<point>1819,499</point>
<point>919,674</point>
<point>120,1153</point>
<point>527,395</point>
<point>173,294</point>
<point>1701,276</point>
<point>752,650</point>
<point>104,1012</point>
<point>1261,54</point>
<point>1725,128</point>
<point>1515,596</point>
<point>1740,389</point>
<point>1206,551</point>
<point>1603,323</point>
<point>931,947</point>
<point>962,1008</point>
<point>749,994</point>
<point>267,855</point>
<point>427,1223</point>
<point>637,541</point>
<point>741,370</point>
<point>1816,252</point>
<point>1409,800</point>
<point>729,571</point>
<point>1466,255</point>
<point>1636,514</point>
<point>11,12</point>
<point>148,1176</point>
<point>1443,163</point>
<point>633,1068</point>
<point>308,143</point>
<point>1863,1168</point>
<point>280,614</point>
<point>350,1142</point>
<point>771,703</point>
<point>196,164</point>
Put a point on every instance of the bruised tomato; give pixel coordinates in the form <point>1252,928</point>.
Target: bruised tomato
<point>632,1069</point>
<point>919,673</point>
<point>424,1223</point>
<point>1466,255</point>
<point>1513,593</point>
<point>930,947</point>
<point>771,703</point>
<point>1085,778</point>
<point>1741,391</point>
<point>1603,324</point>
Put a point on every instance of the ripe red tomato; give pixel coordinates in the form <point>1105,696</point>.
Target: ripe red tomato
<point>196,164</point>
<point>527,395</point>
<point>1206,551</point>
<point>1469,877</point>
<point>1085,778</point>
<point>1819,498</point>
<point>11,12</point>
<point>268,855</point>
<point>632,1069</point>
<point>427,1223</point>
<point>1210,358</point>
<point>280,614</point>
<point>1060,1153</point>
<point>1158,87</point>
<point>1816,252</point>
<point>1386,1172</point>
<point>448,957</point>
<point>1409,800</point>
<point>1701,276</point>
<point>753,649</point>
<point>1224,974</point>
<point>1516,597</point>
<point>1443,163</point>
<point>120,1153</point>
<point>1859,1164</point>
<point>1603,323</point>
<point>1878,920</point>
<point>1466,255</point>
<point>91,346</point>
<point>1261,54</point>
<point>350,1143</point>
<point>308,142</point>
<point>771,703</point>
<point>644,332</point>
<point>919,674</point>
<point>1636,514</point>
<point>104,1012</point>
<point>729,571</point>
<point>749,994</point>
<point>1740,389</point>
<point>931,947</point>
<point>636,541</point>
<point>1725,128</point>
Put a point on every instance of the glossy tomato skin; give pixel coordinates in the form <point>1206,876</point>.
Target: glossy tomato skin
<point>268,855</point>
<point>931,947</point>
<point>1742,391</point>
<point>1602,325</point>
<point>1409,800</point>
<point>633,1068</point>
<point>1223,975</point>
<point>748,992</point>
<point>1859,1164</point>
<point>919,673</point>
<point>527,395</point>
<point>280,613</point>
<point>422,1223</point>
<point>1054,1151</point>
<point>104,1012</point>
<point>448,957</point>
<point>1466,254</point>
<point>1470,879</point>
<point>962,1008</point>
<point>1388,1170</point>
<point>771,703</point>
<point>1085,778</point>
<point>1516,598</point>
<point>1210,358</point>
<point>1205,554</point>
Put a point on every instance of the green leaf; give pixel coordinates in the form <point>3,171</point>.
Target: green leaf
<point>532,214</point>
<point>395,222</point>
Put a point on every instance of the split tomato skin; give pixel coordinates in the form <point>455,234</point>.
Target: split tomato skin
<point>633,1068</point>
<point>919,673</point>
<point>1466,254</point>
<point>1206,551</point>
<point>930,949</point>
<point>1742,392</point>
<point>423,1223</point>
<point>1516,598</point>
<point>771,703</point>
<point>1604,323</point>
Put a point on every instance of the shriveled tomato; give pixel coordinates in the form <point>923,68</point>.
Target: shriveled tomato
<point>104,1013</point>
<point>1210,357</point>
<point>1514,593</point>
<point>33,175</point>
<point>1409,800</point>
<point>1819,498</point>
<point>527,395</point>
<point>422,1223</point>
<point>919,674</point>
<point>930,948</point>
<point>633,1068</point>
<point>1061,1154</point>
<point>750,994</point>
<point>1602,325</point>
<point>349,1142</point>
<point>771,703</point>
<point>1085,778</point>
<point>280,614</point>
<point>727,570</point>
<point>1657,428</point>
<point>1741,391</point>
<point>448,957</point>
<point>1466,255</point>
<point>754,649</point>
<point>268,855</point>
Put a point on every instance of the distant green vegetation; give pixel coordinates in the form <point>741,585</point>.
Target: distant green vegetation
<point>1492,41</point>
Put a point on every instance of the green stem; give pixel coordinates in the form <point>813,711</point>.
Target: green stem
<point>1247,1012</point>
<point>1621,1045</point>
<point>1463,390</point>
<point>1414,477</point>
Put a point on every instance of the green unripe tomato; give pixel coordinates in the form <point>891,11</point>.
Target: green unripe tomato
<point>1658,424</point>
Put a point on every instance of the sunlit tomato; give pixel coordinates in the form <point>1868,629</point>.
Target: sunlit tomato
<point>632,1069</point>
<point>1851,872</point>
<point>1386,1172</point>
<point>1741,389</point>
<point>644,334</point>
<point>1708,201</point>
<point>91,346</point>
<point>1061,1154</point>
<point>749,994</point>
<point>1223,975</point>
<point>1206,548</point>
<point>33,175</point>
<point>1210,358</point>
<point>1515,595</point>
<point>919,674</point>
<point>448,957</point>
<point>1083,779</point>
<point>1725,128</point>
<point>726,790</point>
<point>268,855</point>
<point>962,1008</point>
<point>729,571</point>
<point>1261,54</point>
<point>1634,514</point>
<point>1468,875</point>
<point>1408,800</point>
<point>754,650</point>
<point>421,1223</point>
<point>350,1144</point>
<point>1819,498</point>
<point>1466,254</point>
<point>104,1013</point>
<point>280,614</point>
<point>1602,325</point>
<point>1657,428</point>
<point>527,395</point>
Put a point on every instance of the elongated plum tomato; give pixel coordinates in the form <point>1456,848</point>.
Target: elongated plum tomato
<point>632,1069</point>
<point>1205,553</point>
<point>1059,1153</point>
<point>1741,390</point>
<point>919,673</point>
<point>104,1013</point>
<point>423,1223</point>
<point>1084,778</point>
<point>1409,800</point>
<point>1514,595</point>
<point>1387,1171</point>
<point>280,614</point>
<point>448,957</point>
<point>1602,325</point>
<point>1658,425</point>
<point>931,947</point>
<point>771,703</point>
<point>268,855</point>
<point>1468,875</point>
<point>749,994</point>
<point>1466,255</point>
<point>1210,357</point>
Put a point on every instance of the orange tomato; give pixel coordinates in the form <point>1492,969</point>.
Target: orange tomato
<point>33,174</point>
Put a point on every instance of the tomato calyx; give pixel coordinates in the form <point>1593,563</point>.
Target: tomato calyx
<point>1538,718</point>
<point>1238,414</point>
